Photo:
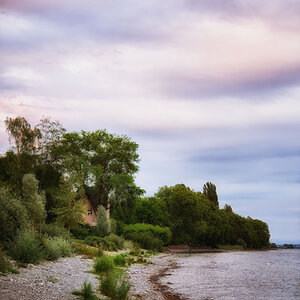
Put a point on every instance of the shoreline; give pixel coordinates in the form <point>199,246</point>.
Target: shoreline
<point>145,279</point>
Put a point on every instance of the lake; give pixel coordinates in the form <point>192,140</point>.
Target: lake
<point>237,275</point>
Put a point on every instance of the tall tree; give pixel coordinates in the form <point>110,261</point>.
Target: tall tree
<point>210,191</point>
<point>33,200</point>
<point>22,135</point>
<point>102,160</point>
<point>69,209</point>
<point>51,133</point>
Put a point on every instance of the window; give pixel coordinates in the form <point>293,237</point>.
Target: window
<point>90,212</point>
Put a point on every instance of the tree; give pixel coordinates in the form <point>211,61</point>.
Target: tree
<point>103,223</point>
<point>51,133</point>
<point>33,200</point>
<point>20,132</point>
<point>228,208</point>
<point>210,191</point>
<point>101,160</point>
<point>69,209</point>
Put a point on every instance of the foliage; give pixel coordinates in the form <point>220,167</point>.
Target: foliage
<point>120,260</point>
<point>86,292</point>
<point>90,252</point>
<point>13,215</point>
<point>55,230</point>
<point>26,247</point>
<point>81,231</point>
<point>68,210</point>
<point>102,160</point>
<point>104,264</point>
<point>20,132</point>
<point>5,265</point>
<point>117,240</point>
<point>57,247</point>
<point>93,240</point>
<point>103,223</point>
<point>210,192</point>
<point>162,233</point>
<point>146,240</point>
<point>115,285</point>
<point>33,200</point>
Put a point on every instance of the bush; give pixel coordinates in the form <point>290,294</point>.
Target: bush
<point>103,243</point>
<point>26,248</point>
<point>5,265</point>
<point>57,247</point>
<point>55,230</point>
<point>117,240</point>
<point>86,292</point>
<point>81,231</point>
<point>115,286</point>
<point>103,222</point>
<point>162,233</point>
<point>93,240</point>
<point>146,240</point>
<point>120,260</point>
<point>90,252</point>
<point>104,264</point>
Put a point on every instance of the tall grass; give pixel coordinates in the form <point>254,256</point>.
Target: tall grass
<point>115,285</point>
<point>86,292</point>
<point>104,264</point>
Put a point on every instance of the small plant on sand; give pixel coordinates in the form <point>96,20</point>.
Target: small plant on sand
<point>104,264</point>
<point>120,260</point>
<point>115,285</point>
<point>86,292</point>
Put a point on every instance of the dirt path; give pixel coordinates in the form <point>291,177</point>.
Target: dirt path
<point>48,281</point>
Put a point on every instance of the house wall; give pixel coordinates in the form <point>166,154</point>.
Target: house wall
<point>89,219</point>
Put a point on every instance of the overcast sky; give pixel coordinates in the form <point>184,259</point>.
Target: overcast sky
<point>210,90</point>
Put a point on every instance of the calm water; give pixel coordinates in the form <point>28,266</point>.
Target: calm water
<point>238,275</point>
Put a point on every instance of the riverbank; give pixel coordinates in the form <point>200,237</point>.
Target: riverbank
<point>145,279</point>
<point>48,281</point>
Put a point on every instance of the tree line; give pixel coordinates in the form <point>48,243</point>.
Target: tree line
<point>51,169</point>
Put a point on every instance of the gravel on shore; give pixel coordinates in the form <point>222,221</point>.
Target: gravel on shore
<point>48,281</point>
<point>145,279</point>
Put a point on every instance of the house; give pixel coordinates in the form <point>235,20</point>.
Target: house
<point>89,215</point>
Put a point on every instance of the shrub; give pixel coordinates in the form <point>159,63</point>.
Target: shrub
<point>13,215</point>
<point>117,240</point>
<point>146,240</point>
<point>104,264</point>
<point>103,243</point>
<point>57,247</point>
<point>162,233</point>
<point>90,252</point>
<point>103,223</point>
<point>120,260</point>
<point>93,240</point>
<point>115,286</point>
<point>5,265</point>
<point>128,244</point>
<point>56,230</point>
<point>26,248</point>
<point>86,292</point>
<point>81,232</point>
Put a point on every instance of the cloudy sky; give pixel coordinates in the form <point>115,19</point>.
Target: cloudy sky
<point>209,89</point>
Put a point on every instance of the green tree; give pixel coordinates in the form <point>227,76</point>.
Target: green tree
<point>228,208</point>
<point>33,200</point>
<point>13,215</point>
<point>68,209</point>
<point>103,222</point>
<point>101,160</point>
<point>210,191</point>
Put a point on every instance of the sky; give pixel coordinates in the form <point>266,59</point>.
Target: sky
<point>209,89</point>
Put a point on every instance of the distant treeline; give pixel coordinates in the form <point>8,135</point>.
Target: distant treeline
<point>101,166</point>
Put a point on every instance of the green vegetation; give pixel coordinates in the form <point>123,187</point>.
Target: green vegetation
<point>86,292</point>
<point>48,172</point>
<point>104,264</point>
<point>115,285</point>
